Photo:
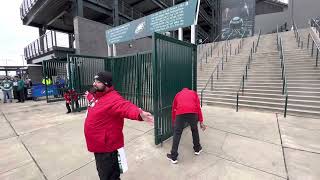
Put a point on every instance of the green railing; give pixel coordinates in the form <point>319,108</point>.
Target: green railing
<point>283,72</point>
<point>244,76</point>
<point>314,48</point>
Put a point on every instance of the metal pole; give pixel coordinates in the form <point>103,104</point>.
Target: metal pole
<point>211,82</point>
<point>317,57</point>
<point>237,102</point>
<point>109,50</point>
<point>114,48</point>
<point>180,34</point>
<point>308,41</point>
<point>193,34</point>
<point>312,49</point>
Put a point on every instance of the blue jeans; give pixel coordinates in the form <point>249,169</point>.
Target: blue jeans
<point>7,94</point>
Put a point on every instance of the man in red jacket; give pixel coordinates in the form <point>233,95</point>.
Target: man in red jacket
<point>186,108</point>
<point>104,124</point>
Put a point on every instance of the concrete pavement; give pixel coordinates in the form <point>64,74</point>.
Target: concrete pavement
<point>39,141</point>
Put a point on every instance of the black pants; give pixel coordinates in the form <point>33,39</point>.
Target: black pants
<point>20,95</point>
<point>69,108</point>
<point>108,165</point>
<point>192,120</point>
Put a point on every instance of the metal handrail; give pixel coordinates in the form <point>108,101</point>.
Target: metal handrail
<point>245,71</point>
<point>244,76</point>
<point>283,71</point>
<point>25,7</point>
<point>43,44</point>
<point>316,26</point>
<point>256,48</point>
<point>208,50</point>
<point>283,76</point>
<point>297,35</point>
<point>222,65</point>
<point>211,78</point>
<point>314,44</point>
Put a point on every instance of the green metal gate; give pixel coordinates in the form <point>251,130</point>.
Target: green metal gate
<point>55,79</point>
<point>150,80</point>
<point>174,67</point>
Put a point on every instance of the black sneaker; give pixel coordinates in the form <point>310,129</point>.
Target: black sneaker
<point>198,152</point>
<point>174,161</point>
<point>68,112</point>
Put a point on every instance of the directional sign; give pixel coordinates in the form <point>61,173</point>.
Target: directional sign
<point>181,15</point>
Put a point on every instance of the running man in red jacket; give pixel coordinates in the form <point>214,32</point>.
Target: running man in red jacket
<point>186,108</point>
<point>104,124</point>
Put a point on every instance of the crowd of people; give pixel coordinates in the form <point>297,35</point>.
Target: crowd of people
<point>15,88</point>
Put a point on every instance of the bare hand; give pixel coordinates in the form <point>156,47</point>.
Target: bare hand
<point>146,116</point>
<point>203,127</point>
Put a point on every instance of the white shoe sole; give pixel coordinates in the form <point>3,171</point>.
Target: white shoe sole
<point>198,153</point>
<point>172,161</point>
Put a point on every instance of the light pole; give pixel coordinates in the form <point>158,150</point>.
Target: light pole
<point>22,57</point>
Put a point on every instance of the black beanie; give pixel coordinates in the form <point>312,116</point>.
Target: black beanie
<point>104,77</point>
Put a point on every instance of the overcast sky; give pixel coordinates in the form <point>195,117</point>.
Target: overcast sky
<point>13,35</point>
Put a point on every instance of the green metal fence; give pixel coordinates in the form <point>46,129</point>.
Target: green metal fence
<point>150,80</point>
<point>132,77</point>
<point>82,70</point>
<point>174,67</point>
<point>55,79</point>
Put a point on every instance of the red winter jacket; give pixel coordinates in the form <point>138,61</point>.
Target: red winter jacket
<point>105,118</point>
<point>186,101</point>
<point>70,94</point>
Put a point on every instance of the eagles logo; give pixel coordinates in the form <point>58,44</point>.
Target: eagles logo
<point>140,27</point>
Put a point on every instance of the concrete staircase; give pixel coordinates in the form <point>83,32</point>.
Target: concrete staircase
<point>303,77</point>
<point>225,86</point>
<point>263,88</point>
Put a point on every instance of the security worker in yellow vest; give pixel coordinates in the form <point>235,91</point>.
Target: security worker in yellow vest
<point>46,81</point>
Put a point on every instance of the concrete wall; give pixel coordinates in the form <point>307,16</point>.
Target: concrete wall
<point>91,40</point>
<point>264,8</point>
<point>303,10</point>
<point>35,73</point>
<point>268,22</point>
<point>90,37</point>
<point>140,45</point>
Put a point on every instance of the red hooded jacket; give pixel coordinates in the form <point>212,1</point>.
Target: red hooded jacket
<point>70,94</point>
<point>105,119</point>
<point>186,101</point>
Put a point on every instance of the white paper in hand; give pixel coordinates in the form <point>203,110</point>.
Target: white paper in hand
<point>123,165</point>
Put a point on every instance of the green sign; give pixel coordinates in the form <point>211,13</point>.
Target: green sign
<point>181,15</point>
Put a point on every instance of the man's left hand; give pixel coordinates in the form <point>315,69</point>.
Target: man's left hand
<point>146,116</point>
